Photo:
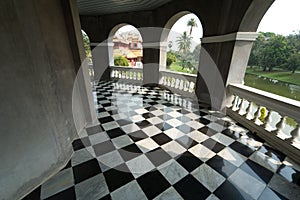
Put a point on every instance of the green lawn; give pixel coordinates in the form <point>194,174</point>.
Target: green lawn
<point>177,68</point>
<point>283,76</point>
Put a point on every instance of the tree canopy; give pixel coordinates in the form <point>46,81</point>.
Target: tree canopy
<point>272,50</point>
<point>192,23</point>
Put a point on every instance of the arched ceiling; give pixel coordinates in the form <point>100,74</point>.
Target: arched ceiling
<point>103,7</point>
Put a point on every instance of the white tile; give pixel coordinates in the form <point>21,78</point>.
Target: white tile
<point>173,148</point>
<point>155,120</point>
<point>140,165</point>
<point>208,177</point>
<point>110,160</point>
<point>122,141</point>
<point>216,127</point>
<point>247,183</point>
<point>212,197</point>
<point>92,188</point>
<point>147,144</point>
<point>130,128</point>
<point>141,111</point>
<point>198,136</point>
<point>195,124</point>
<point>110,125</point>
<point>130,191</point>
<point>98,138</point>
<point>151,130</point>
<point>169,194</point>
<point>265,161</point>
<point>103,114</point>
<point>173,172</point>
<point>193,116</point>
<point>202,152</point>
<point>119,116</point>
<point>223,139</point>
<point>174,114</point>
<point>174,122</point>
<point>232,156</point>
<point>81,156</point>
<point>174,133</point>
<point>157,112</point>
<point>137,118</point>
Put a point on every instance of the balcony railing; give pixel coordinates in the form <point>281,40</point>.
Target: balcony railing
<point>130,74</point>
<point>179,83</point>
<point>274,118</point>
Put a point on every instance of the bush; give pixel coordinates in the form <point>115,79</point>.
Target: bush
<point>171,58</point>
<point>121,61</point>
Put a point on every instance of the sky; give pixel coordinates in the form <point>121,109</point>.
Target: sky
<point>283,17</point>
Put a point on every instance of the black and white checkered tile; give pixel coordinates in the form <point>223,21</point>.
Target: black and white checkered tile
<point>152,144</point>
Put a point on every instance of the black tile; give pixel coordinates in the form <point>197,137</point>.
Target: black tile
<point>163,126</point>
<point>189,161</point>
<point>93,130</point>
<point>129,152</point>
<point>68,165</point>
<point>123,122</point>
<point>66,194</point>
<point>81,143</point>
<point>115,133</point>
<point>137,135</point>
<point>228,191</point>
<point>158,156</point>
<point>186,142</point>
<point>161,139</point>
<point>268,193</point>
<point>86,170</point>
<point>191,188</point>
<point>257,171</point>
<point>185,128</point>
<point>223,123</point>
<point>117,177</point>
<point>103,148</point>
<point>34,195</point>
<point>148,115</point>
<point>213,145</point>
<point>143,124</point>
<point>106,119</point>
<point>290,174</point>
<point>207,131</point>
<point>241,148</point>
<point>222,166</point>
<point>153,183</point>
<point>183,111</point>
<point>232,134</point>
<point>203,121</point>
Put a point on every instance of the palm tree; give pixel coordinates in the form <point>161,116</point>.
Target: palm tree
<point>192,23</point>
<point>184,43</point>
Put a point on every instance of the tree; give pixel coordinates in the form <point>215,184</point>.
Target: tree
<point>192,23</point>
<point>293,62</point>
<point>255,56</point>
<point>121,61</point>
<point>170,44</point>
<point>184,45</point>
<point>171,57</point>
<point>86,42</point>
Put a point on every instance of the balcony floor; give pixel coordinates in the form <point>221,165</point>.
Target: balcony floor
<point>147,147</point>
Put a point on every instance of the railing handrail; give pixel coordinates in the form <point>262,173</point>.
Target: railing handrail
<point>179,73</point>
<point>282,105</point>
<point>126,67</point>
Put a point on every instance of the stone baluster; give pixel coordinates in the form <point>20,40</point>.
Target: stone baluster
<point>240,106</point>
<point>279,125</point>
<point>232,102</point>
<point>295,133</point>
<point>256,115</point>
<point>267,120</point>
<point>248,109</point>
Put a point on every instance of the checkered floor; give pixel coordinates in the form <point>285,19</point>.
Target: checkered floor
<point>152,144</point>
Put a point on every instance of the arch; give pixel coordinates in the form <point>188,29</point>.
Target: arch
<point>166,32</point>
<point>132,47</point>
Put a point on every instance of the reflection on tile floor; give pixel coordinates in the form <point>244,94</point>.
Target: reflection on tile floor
<point>152,144</point>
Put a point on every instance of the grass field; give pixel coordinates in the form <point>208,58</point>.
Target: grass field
<point>283,76</point>
<point>177,68</point>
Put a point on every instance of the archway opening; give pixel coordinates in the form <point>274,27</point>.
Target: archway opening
<point>181,43</point>
<point>126,46</point>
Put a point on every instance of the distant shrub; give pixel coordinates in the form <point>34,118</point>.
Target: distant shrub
<point>171,58</point>
<point>121,61</point>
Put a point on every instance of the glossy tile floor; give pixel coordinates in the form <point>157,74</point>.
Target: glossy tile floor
<point>152,144</point>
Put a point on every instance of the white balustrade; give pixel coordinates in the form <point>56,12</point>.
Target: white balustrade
<point>269,119</point>
<point>126,73</point>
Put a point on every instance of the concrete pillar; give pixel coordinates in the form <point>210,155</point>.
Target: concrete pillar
<point>223,60</point>
<point>163,56</point>
<point>101,62</point>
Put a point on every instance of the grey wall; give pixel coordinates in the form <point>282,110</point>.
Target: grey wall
<point>37,73</point>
